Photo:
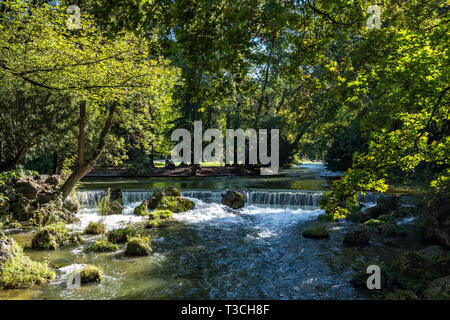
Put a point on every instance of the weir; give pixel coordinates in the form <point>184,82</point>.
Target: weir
<point>283,198</point>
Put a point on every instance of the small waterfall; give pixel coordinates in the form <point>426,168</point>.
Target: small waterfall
<point>252,197</point>
<point>89,198</point>
<point>204,195</point>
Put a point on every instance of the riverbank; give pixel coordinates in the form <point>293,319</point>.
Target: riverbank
<point>184,171</point>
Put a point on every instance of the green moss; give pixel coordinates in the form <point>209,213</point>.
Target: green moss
<point>103,245</point>
<point>138,246</point>
<point>373,222</point>
<point>161,214</point>
<point>19,271</point>
<point>53,236</point>
<point>91,274</point>
<point>95,228</point>
<point>159,223</point>
<point>142,209</point>
<point>391,230</point>
<point>121,235</point>
<point>169,199</point>
<point>318,232</point>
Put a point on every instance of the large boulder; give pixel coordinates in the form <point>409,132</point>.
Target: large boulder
<point>28,188</point>
<point>356,238</point>
<point>412,272</point>
<point>53,180</point>
<point>19,271</point>
<point>52,237</point>
<point>233,199</point>
<point>439,289</point>
<point>138,246</point>
<point>169,199</point>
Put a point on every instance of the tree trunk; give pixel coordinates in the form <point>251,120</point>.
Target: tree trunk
<point>83,166</point>
<point>55,163</point>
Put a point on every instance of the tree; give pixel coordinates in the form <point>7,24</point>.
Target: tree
<point>106,76</point>
<point>402,80</point>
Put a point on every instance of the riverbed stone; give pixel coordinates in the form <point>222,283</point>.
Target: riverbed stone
<point>412,272</point>
<point>138,246</point>
<point>233,199</point>
<point>439,289</point>
<point>160,199</point>
<point>95,228</point>
<point>318,232</point>
<point>356,238</point>
<point>142,209</point>
<point>28,188</point>
<point>17,270</point>
<point>91,274</point>
<point>52,237</point>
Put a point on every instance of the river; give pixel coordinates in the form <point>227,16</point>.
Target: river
<point>257,252</point>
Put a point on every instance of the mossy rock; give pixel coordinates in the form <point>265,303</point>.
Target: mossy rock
<point>359,278</point>
<point>91,274</point>
<point>412,272</point>
<point>401,295</point>
<point>233,199</point>
<point>358,216</point>
<point>111,207</point>
<point>318,232</point>
<point>142,209</point>
<point>95,228</point>
<point>53,236</point>
<point>172,192</point>
<point>175,204</point>
<point>439,289</point>
<point>121,235</point>
<point>17,270</point>
<point>159,223</point>
<point>160,214</point>
<point>442,264</point>
<point>356,238</point>
<point>138,246</point>
<point>325,217</point>
<point>103,245</point>
<point>391,230</point>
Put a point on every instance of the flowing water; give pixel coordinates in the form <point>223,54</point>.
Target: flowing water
<point>214,252</point>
